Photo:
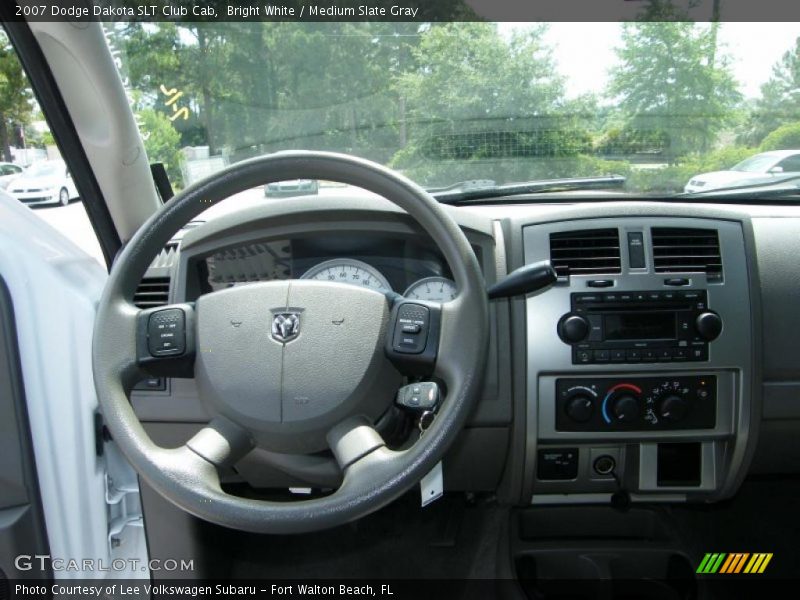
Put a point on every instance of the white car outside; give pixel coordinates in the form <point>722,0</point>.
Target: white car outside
<point>766,168</point>
<point>47,182</point>
<point>8,172</point>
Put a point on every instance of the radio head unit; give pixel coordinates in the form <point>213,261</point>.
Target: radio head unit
<point>646,326</point>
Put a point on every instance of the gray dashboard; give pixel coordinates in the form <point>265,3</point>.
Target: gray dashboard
<point>756,360</point>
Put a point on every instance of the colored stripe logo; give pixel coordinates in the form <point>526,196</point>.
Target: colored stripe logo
<point>733,563</point>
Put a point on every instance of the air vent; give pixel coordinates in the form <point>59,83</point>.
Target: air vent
<point>588,252</point>
<point>680,250</point>
<point>152,291</point>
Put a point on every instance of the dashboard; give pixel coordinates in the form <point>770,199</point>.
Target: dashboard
<point>659,362</point>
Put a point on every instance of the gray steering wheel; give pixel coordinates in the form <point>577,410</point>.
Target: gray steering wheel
<point>262,356</point>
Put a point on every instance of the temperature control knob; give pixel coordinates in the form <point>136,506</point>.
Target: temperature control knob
<point>579,408</point>
<point>573,328</point>
<point>625,408</point>
<point>708,325</point>
<point>673,408</point>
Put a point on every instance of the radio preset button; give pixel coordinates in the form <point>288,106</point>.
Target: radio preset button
<point>664,354</point>
<point>633,355</point>
<point>601,356</point>
<point>618,356</point>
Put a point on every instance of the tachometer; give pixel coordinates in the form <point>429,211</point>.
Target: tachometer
<point>433,289</point>
<point>349,270</point>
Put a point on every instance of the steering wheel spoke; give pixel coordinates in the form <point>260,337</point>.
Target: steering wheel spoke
<point>222,442</point>
<point>165,340</point>
<point>353,439</point>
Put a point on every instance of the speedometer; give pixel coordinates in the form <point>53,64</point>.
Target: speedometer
<point>349,270</point>
<point>433,289</point>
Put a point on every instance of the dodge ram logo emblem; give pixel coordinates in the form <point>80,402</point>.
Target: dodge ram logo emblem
<point>285,327</point>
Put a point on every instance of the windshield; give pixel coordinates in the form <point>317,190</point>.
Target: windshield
<point>659,103</point>
<point>45,169</point>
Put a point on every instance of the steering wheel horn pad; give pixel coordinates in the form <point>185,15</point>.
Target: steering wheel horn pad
<point>291,366</point>
<point>290,390</point>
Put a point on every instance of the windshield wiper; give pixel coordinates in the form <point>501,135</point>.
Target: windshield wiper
<point>481,189</point>
<point>750,191</point>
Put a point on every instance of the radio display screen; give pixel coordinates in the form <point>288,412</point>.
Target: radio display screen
<point>639,326</point>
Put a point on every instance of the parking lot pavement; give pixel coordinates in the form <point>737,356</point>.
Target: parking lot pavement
<point>72,221</point>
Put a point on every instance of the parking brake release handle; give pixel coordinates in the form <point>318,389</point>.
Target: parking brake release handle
<point>525,280</point>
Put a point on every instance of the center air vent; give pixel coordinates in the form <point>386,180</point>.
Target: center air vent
<point>587,252</point>
<point>152,292</point>
<point>681,250</point>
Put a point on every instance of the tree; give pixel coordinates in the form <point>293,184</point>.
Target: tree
<point>474,96</point>
<point>162,143</point>
<point>16,97</point>
<point>672,79</point>
<point>779,103</point>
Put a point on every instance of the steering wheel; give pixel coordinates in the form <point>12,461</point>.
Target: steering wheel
<point>294,366</point>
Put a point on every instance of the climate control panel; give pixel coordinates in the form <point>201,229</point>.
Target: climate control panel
<point>636,404</point>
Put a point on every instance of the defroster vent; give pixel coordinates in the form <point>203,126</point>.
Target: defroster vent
<point>586,252</point>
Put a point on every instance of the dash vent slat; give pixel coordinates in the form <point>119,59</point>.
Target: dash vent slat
<point>682,250</point>
<point>152,292</point>
<point>586,252</point>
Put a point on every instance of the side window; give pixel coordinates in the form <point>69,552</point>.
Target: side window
<point>36,174</point>
<point>791,164</point>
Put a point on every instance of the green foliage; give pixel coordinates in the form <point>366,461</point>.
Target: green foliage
<point>162,143</point>
<point>496,101</point>
<point>15,95</point>
<point>785,137</point>
<point>671,79</point>
<point>779,103</point>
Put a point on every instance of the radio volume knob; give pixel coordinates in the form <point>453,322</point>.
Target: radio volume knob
<point>573,328</point>
<point>708,325</point>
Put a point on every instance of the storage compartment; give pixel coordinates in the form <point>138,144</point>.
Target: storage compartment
<point>678,465</point>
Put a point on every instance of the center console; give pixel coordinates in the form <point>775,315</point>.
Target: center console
<point>638,360</point>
